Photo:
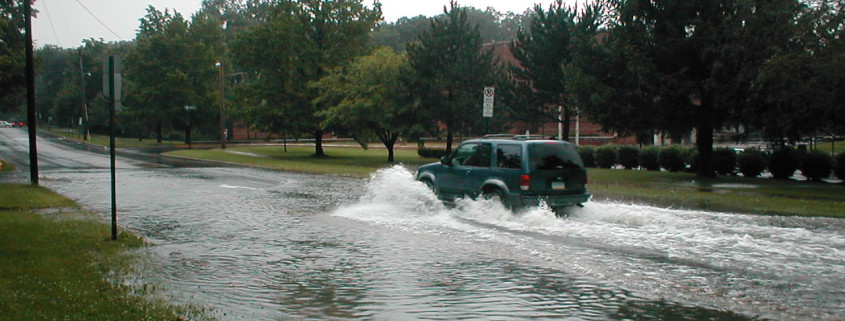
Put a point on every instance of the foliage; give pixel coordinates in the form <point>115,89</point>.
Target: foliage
<point>588,155</point>
<point>606,156</point>
<point>839,166</point>
<point>783,162</point>
<point>431,153</point>
<point>649,158</point>
<point>672,159</point>
<point>816,165</point>
<point>629,156</point>
<point>371,95</point>
<point>693,62</point>
<point>539,85</point>
<point>451,71</point>
<point>301,42</point>
<point>724,161</point>
<point>171,66</point>
<point>12,58</point>
<point>752,162</point>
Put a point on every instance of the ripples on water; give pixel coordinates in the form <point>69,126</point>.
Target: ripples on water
<point>391,251</point>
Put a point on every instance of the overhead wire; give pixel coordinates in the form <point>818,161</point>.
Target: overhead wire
<point>98,20</point>
<point>50,21</point>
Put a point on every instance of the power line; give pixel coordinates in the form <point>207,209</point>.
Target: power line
<point>98,20</point>
<point>50,20</point>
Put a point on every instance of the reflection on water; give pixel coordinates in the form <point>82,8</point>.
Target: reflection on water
<point>261,245</point>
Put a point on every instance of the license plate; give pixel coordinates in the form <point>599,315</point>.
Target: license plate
<point>558,185</point>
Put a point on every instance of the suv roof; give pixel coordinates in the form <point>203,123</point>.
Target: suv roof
<point>516,137</point>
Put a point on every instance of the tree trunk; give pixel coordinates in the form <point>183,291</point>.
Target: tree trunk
<point>188,135</point>
<point>159,134</point>
<point>318,144</point>
<point>389,140</point>
<point>704,138</point>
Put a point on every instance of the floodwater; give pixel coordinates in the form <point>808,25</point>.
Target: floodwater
<point>251,244</point>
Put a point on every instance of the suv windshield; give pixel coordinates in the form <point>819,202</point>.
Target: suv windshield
<point>553,156</point>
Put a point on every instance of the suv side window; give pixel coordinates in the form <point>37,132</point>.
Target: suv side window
<point>463,152</point>
<point>481,157</point>
<point>509,156</point>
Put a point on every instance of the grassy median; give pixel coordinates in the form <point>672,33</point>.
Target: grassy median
<point>62,265</point>
<point>677,190</point>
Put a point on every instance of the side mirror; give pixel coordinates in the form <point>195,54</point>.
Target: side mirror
<point>445,161</point>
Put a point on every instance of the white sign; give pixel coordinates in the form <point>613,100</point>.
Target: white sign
<point>489,98</point>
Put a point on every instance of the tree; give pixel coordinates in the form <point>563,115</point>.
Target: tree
<point>371,95</point>
<point>12,59</point>
<point>167,70</point>
<point>542,52</point>
<point>699,57</point>
<point>452,70</point>
<point>299,44</point>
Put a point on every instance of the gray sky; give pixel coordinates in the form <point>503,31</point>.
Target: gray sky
<point>67,22</point>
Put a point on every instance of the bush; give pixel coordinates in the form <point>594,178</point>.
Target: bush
<point>752,162</point>
<point>839,166</point>
<point>671,158</point>
<point>816,165</point>
<point>691,158</point>
<point>628,156</point>
<point>431,153</point>
<point>783,163</point>
<point>648,158</point>
<point>724,161</point>
<point>588,155</point>
<point>606,156</point>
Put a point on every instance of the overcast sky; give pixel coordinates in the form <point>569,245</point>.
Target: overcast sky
<point>67,22</point>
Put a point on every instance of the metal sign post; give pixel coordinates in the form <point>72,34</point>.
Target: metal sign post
<point>111,89</point>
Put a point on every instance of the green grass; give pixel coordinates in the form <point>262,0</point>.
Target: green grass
<point>348,161</point>
<point>63,265</point>
<point>728,194</point>
<point>103,140</point>
<point>16,196</point>
<point>677,190</point>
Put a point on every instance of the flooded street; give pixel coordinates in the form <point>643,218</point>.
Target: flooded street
<point>252,244</point>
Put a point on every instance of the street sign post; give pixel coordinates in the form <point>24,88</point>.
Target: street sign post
<point>111,89</point>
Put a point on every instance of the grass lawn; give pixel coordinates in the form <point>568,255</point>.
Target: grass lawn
<point>351,161</point>
<point>103,140</point>
<point>727,194</point>
<point>63,265</point>
<point>678,190</point>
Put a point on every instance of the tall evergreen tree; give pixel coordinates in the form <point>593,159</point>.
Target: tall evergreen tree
<point>543,51</point>
<point>452,69</point>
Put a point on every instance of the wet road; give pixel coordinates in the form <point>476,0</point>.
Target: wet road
<point>252,244</point>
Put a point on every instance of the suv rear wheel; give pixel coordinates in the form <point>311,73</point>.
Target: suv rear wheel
<point>495,195</point>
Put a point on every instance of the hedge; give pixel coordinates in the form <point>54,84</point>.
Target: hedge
<point>752,162</point>
<point>649,158</point>
<point>606,156</point>
<point>816,165</point>
<point>628,156</point>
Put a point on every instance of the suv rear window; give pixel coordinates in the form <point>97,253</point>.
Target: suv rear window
<point>553,156</point>
<point>509,156</point>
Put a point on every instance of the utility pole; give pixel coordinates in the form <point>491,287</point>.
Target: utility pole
<point>86,135</point>
<point>30,95</point>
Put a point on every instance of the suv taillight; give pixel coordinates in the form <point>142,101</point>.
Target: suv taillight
<point>524,182</point>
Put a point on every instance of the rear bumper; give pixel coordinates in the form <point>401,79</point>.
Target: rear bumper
<point>551,200</point>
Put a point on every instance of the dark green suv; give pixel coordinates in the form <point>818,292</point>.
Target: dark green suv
<point>517,170</point>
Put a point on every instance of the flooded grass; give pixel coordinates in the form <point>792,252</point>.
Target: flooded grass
<point>63,265</point>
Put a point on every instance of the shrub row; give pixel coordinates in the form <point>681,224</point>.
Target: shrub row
<point>781,163</point>
<point>431,153</point>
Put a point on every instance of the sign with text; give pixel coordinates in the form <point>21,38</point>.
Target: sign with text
<point>489,98</point>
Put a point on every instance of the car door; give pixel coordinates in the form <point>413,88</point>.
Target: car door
<point>477,170</point>
<point>453,178</point>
